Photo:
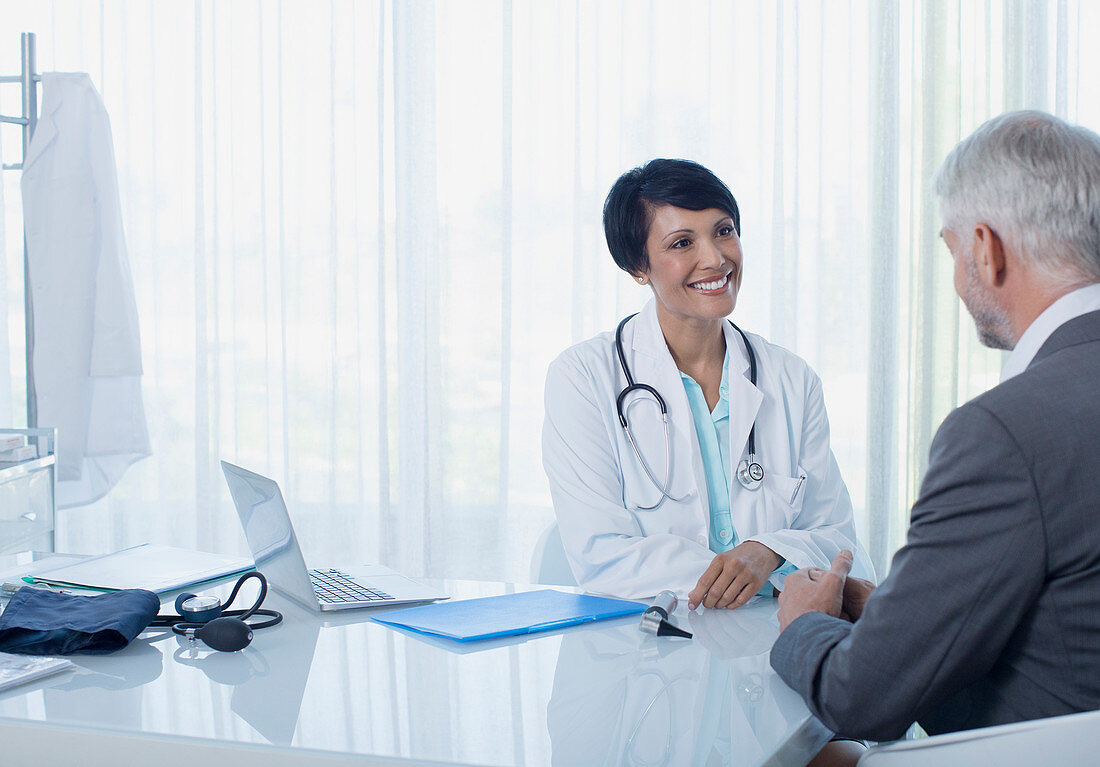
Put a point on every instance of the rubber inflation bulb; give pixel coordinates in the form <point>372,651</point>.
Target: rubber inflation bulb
<point>226,634</point>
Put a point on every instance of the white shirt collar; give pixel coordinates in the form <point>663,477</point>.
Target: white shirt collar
<point>1071,305</point>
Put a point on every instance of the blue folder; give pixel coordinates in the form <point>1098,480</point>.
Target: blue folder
<point>510,614</point>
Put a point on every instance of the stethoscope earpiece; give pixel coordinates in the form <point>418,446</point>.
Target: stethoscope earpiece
<point>749,473</point>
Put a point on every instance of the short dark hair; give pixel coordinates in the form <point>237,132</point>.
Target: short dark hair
<point>627,211</point>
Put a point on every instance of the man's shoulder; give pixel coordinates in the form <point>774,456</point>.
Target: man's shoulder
<point>1059,383</point>
<point>1049,410</point>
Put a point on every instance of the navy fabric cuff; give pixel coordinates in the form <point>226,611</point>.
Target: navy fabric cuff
<point>39,622</point>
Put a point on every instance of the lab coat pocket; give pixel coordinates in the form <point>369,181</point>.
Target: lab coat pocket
<point>785,496</point>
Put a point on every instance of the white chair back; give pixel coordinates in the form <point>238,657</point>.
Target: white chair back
<point>549,566</point>
<point>1061,740</point>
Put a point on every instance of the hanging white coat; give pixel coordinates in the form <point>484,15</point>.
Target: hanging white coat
<point>597,482</point>
<point>87,351</point>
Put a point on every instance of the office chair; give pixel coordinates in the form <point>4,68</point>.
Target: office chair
<point>548,563</point>
<point>1071,740</point>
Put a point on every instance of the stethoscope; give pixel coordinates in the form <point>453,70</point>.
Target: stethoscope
<point>749,472</point>
<point>665,692</point>
<point>750,690</point>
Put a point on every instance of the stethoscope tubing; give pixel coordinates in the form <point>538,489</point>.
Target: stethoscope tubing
<point>750,473</point>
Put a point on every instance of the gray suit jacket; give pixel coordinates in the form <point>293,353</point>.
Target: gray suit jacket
<point>991,611</point>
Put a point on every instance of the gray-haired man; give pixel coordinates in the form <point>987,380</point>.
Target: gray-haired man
<point>991,611</point>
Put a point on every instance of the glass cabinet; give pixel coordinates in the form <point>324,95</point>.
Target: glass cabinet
<point>28,484</point>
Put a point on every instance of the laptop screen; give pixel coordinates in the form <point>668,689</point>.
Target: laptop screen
<point>269,533</point>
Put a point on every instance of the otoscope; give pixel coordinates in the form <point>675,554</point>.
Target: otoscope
<point>655,620</point>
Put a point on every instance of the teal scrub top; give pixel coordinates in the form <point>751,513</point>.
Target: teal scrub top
<point>713,430</point>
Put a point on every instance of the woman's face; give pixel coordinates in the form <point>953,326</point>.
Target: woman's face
<point>694,263</point>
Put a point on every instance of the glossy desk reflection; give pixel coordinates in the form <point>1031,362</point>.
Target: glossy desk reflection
<point>623,697</point>
<point>599,694</point>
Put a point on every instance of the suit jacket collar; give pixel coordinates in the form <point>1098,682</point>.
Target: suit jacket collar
<point>1079,330</point>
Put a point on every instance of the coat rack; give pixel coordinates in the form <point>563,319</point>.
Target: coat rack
<point>27,79</point>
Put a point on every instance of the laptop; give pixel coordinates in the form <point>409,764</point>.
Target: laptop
<point>275,550</point>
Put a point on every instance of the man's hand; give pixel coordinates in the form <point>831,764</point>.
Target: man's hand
<point>856,592</point>
<point>814,590</point>
<point>735,576</point>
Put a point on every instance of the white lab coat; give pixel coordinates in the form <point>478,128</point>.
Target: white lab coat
<point>597,482</point>
<point>87,352</point>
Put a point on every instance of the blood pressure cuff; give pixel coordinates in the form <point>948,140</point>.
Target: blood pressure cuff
<point>40,622</point>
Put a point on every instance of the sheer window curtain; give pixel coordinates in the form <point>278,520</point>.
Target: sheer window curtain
<point>360,231</point>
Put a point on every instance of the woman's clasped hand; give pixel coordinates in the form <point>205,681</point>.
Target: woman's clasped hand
<point>734,576</point>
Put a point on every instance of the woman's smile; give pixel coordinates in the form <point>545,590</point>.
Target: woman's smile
<point>713,287</point>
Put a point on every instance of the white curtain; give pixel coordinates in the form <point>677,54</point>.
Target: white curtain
<point>360,230</point>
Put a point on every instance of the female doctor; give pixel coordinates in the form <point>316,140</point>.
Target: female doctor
<point>739,486</point>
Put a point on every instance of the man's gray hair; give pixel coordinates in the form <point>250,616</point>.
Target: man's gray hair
<point>1035,181</point>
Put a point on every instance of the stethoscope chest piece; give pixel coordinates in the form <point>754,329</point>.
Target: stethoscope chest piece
<point>750,473</point>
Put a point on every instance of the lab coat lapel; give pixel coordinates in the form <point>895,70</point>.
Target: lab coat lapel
<point>45,131</point>
<point>744,401</point>
<point>653,365</point>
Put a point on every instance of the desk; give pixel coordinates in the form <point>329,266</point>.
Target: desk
<point>598,694</point>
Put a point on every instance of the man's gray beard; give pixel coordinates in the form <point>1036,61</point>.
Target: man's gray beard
<point>994,328</point>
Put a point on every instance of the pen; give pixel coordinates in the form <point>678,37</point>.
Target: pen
<point>801,479</point>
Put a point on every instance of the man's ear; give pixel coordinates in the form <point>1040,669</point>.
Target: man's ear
<point>989,256</point>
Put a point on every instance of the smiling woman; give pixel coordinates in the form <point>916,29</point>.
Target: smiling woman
<point>725,398</point>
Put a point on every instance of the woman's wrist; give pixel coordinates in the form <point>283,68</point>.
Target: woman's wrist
<point>767,555</point>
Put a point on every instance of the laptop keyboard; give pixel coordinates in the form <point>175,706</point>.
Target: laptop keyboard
<point>334,586</point>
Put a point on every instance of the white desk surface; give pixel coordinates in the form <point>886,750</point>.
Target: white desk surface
<point>598,694</point>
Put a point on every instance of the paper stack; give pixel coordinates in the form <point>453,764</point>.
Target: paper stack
<point>159,569</point>
<point>14,448</point>
<point>17,669</point>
